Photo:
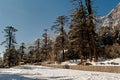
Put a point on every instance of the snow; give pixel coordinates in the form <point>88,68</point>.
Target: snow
<point>102,62</point>
<point>111,19</point>
<point>107,62</point>
<point>71,62</point>
<point>30,72</point>
<point>33,72</point>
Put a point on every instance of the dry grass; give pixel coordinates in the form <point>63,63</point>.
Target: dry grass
<point>112,69</point>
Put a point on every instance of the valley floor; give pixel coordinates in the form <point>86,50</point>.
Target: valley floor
<point>31,72</point>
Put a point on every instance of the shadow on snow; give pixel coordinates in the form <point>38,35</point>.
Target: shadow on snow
<point>14,77</point>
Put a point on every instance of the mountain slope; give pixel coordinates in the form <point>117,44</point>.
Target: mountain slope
<point>112,19</point>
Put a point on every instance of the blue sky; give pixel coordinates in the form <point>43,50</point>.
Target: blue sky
<point>31,17</point>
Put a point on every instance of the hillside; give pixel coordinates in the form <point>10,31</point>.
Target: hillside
<point>112,19</point>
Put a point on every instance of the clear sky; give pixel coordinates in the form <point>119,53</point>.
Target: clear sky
<point>31,17</point>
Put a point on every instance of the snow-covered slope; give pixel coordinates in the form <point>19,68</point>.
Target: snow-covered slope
<point>28,72</point>
<point>112,19</point>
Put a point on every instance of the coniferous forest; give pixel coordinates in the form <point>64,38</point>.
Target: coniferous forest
<point>82,41</point>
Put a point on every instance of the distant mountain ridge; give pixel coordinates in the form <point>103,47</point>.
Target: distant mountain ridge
<point>112,19</point>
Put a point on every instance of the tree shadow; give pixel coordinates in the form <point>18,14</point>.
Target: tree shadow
<point>19,77</point>
<point>61,77</point>
<point>15,77</point>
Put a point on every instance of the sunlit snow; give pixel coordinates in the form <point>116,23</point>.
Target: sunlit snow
<point>29,72</point>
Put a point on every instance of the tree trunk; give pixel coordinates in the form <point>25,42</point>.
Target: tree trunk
<point>94,48</point>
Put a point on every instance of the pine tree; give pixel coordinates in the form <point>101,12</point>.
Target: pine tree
<point>81,34</point>
<point>37,50</point>
<point>46,46</point>
<point>10,37</point>
<point>77,27</point>
<point>21,51</point>
<point>11,54</point>
<point>91,29</point>
<point>59,24</point>
<point>31,55</point>
<point>11,57</point>
<point>59,45</point>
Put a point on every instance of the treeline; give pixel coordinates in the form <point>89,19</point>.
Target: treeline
<point>82,40</point>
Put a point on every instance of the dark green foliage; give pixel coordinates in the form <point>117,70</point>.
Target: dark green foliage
<point>109,41</point>
<point>76,29</point>
<point>112,51</point>
<point>59,24</point>
<point>21,51</point>
<point>10,37</point>
<point>61,44</point>
<point>82,34</point>
<point>61,39</point>
<point>106,36</point>
<point>11,57</point>
<point>71,54</point>
<point>37,50</point>
<point>116,36</point>
<point>46,46</point>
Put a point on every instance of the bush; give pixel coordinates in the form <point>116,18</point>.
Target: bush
<point>88,64</point>
<point>114,63</point>
<point>112,51</point>
<point>66,66</point>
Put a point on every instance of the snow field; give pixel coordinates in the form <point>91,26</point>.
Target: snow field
<point>30,72</point>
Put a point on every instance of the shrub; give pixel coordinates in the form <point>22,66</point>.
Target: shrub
<point>66,66</point>
<point>112,51</point>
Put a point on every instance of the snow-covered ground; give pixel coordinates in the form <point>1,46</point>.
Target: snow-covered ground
<point>30,72</point>
<point>109,62</point>
<point>102,62</point>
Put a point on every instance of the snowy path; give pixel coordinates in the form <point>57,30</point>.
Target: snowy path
<point>28,72</point>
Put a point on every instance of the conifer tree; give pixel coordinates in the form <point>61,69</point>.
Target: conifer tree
<point>37,50</point>
<point>59,45</point>
<point>21,51</point>
<point>59,24</point>
<point>77,26</point>
<point>11,57</point>
<point>11,53</point>
<point>91,29</point>
<point>46,46</point>
<point>81,34</point>
<point>10,37</point>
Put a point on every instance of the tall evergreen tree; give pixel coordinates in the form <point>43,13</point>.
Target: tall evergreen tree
<point>37,50</point>
<point>81,34</point>
<point>91,29</point>
<point>61,46</point>
<point>11,55</point>
<point>77,27</point>
<point>45,43</point>
<point>59,24</point>
<point>46,46</point>
<point>21,50</point>
<point>31,55</point>
<point>10,37</point>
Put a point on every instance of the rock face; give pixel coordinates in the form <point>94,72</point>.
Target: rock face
<point>111,20</point>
